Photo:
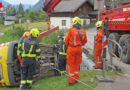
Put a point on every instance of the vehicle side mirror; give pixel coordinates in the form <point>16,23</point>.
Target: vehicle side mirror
<point>0,57</point>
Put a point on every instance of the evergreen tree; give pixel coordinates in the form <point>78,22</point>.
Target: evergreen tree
<point>20,10</point>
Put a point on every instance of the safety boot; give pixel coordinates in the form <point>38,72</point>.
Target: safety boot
<point>29,86</point>
<point>23,87</point>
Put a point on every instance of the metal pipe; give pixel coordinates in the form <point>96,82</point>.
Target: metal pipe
<point>118,46</point>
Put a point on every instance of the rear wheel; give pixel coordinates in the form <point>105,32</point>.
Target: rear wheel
<point>113,47</point>
<point>125,44</point>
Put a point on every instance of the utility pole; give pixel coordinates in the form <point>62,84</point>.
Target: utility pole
<point>99,5</point>
<point>99,10</point>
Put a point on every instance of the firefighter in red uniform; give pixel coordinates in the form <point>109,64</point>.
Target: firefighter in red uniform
<point>74,40</point>
<point>98,45</point>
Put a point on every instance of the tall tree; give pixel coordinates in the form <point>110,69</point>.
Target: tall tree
<point>10,11</point>
<point>20,10</point>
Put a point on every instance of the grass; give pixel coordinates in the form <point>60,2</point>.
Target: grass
<point>11,33</point>
<point>39,25</point>
<point>59,82</point>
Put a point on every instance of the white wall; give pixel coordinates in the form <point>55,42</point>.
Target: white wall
<point>87,21</point>
<point>8,22</point>
<point>57,21</point>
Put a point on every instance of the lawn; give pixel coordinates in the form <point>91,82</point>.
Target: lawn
<point>60,82</point>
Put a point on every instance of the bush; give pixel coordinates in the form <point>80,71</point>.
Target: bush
<point>15,32</point>
<point>12,34</point>
<point>49,39</point>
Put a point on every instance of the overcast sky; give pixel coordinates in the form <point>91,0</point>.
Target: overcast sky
<point>31,2</point>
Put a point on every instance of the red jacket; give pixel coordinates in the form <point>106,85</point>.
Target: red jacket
<point>73,38</point>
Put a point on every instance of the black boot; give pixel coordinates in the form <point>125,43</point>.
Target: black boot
<point>29,86</point>
<point>23,87</point>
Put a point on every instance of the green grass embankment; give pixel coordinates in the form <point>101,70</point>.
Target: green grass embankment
<point>60,82</point>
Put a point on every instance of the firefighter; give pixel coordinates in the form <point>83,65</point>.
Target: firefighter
<point>98,45</point>
<point>25,35</point>
<point>62,50</point>
<point>30,53</point>
<point>75,39</point>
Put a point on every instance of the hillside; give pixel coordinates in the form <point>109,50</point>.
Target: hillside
<point>38,5</point>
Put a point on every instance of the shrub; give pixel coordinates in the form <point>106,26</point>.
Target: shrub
<point>15,31</point>
<point>49,39</point>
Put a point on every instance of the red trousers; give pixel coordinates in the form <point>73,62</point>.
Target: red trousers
<point>74,55</point>
<point>73,71</point>
<point>98,55</point>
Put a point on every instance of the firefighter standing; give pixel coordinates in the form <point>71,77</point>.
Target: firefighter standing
<point>75,39</point>
<point>98,45</point>
<point>30,52</point>
<point>62,50</point>
<point>25,35</point>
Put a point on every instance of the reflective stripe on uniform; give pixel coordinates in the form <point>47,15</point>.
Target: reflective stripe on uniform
<point>31,48</point>
<point>19,45</point>
<point>38,50</point>
<point>23,48</point>
<point>76,72</point>
<point>62,53</point>
<point>64,49</point>
<point>38,57</point>
<point>59,40</point>
<point>71,74</point>
<point>28,55</point>
<point>18,52</point>
<point>23,81</point>
<point>99,62</point>
<point>83,37</point>
<point>74,40</point>
<point>29,81</point>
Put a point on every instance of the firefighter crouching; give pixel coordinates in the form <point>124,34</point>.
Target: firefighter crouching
<point>25,35</point>
<point>98,45</point>
<point>75,39</point>
<point>30,52</point>
<point>62,50</point>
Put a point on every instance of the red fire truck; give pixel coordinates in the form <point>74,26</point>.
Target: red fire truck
<point>118,26</point>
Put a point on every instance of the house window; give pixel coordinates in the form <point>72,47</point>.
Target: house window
<point>84,22</point>
<point>63,22</point>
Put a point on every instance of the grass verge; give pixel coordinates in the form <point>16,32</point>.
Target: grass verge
<point>60,82</point>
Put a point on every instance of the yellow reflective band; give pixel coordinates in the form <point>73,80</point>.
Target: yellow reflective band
<point>71,74</point>
<point>38,50</point>
<point>18,52</point>
<point>20,44</point>
<point>30,49</point>
<point>59,40</point>
<point>62,53</point>
<point>29,81</point>
<point>63,48</point>
<point>38,57</point>
<point>28,55</point>
<point>23,81</point>
<point>23,48</point>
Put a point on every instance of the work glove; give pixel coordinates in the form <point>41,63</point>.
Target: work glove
<point>20,60</point>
